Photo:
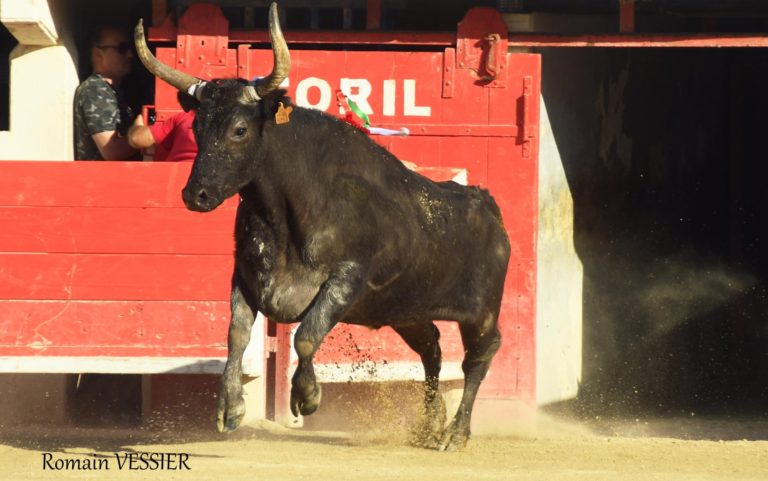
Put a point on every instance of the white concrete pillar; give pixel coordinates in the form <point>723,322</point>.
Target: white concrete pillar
<point>43,79</point>
<point>560,277</point>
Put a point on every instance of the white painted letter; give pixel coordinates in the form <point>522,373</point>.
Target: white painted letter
<point>390,90</point>
<point>409,101</point>
<point>362,90</point>
<point>302,90</point>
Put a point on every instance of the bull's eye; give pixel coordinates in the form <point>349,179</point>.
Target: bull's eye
<point>240,131</point>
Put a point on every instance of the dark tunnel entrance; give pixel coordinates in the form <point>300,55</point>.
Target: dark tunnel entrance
<point>664,151</point>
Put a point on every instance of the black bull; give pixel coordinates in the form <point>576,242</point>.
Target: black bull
<point>331,227</point>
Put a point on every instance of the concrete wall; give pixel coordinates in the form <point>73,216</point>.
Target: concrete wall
<point>43,78</point>
<point>33,399</point>
<point>559,279</point>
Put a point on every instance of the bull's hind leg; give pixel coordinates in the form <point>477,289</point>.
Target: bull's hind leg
<point>424,340</point>
<point>481,341</point>
<point>231,406</point>
<point>335,296</point>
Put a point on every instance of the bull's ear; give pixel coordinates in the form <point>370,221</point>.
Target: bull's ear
<point>187,101</point>
<point>271,102</point>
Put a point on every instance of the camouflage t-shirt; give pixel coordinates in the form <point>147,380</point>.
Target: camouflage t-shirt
<point>97,109</point>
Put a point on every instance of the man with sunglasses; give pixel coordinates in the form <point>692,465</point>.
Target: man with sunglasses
<point>101,113</point>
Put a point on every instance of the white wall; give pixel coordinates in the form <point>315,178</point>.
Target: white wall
<point>43,81</point>
<point>559,279</point>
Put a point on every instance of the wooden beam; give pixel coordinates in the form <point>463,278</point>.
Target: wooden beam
<point>373,15</point>
<point>639,41</point>
<point>159,11</point>
<point>626,16</point>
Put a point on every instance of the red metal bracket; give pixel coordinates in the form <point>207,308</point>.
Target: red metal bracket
<point>202,39</point>
<point>528,130</point>
<point>493,56</point>
<point>449,72</point>
<point>243,61</point>
<point>481,46</point>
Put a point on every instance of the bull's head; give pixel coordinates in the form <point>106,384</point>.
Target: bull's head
<point>229,122</point>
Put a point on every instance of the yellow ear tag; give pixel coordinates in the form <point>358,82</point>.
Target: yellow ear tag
<point>283,114</point>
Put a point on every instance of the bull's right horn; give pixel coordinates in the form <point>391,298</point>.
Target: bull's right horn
<point>180,80</point>
<point>282,58</point>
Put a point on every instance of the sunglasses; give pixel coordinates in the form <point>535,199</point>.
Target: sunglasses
<point>122,48</point>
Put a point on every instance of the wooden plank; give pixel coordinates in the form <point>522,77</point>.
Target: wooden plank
<point>115,276</point>
<point>113,328</point>
<point>95,184</point>
<point>536,40</point>
<point>383,372</point>
<point>321,37</point>
<point>115,230</point>
<point>360,345</point>
<point>115,365</point>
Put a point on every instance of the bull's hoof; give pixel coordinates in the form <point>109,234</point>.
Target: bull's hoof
<point>427,433</point>
<point>454,438</point>
<point>305,405</point>
<point>424,438</point>
<point>228,418</point>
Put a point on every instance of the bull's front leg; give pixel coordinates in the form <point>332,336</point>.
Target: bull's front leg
<point>231,406</point>
<point>336,295</point>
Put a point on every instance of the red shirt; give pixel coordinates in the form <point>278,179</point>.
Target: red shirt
<point>176,137</point>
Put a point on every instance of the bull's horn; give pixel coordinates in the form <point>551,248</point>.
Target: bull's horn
<point>282,62</point>
<point>180,80</point>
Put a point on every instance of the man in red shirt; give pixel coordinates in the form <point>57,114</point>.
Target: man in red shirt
<point>173,135</point>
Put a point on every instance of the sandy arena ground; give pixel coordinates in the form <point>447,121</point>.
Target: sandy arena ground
<point>545,449</point>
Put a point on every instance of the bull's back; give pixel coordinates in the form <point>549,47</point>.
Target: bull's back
<point>453,264</point>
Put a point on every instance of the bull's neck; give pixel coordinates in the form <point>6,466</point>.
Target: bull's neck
<point>303,157</point>
<point>298,153</point>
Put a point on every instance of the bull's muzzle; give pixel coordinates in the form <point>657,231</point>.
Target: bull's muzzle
<point>198,199</point>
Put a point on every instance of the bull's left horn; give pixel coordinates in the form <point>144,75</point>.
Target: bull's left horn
<point>282,58</point>
<point>176,78</point>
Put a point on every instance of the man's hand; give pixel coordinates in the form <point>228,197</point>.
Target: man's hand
<point>112,146</point>
<point>139,135</point>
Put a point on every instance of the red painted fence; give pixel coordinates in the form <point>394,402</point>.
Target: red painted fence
<point>102,260</point>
